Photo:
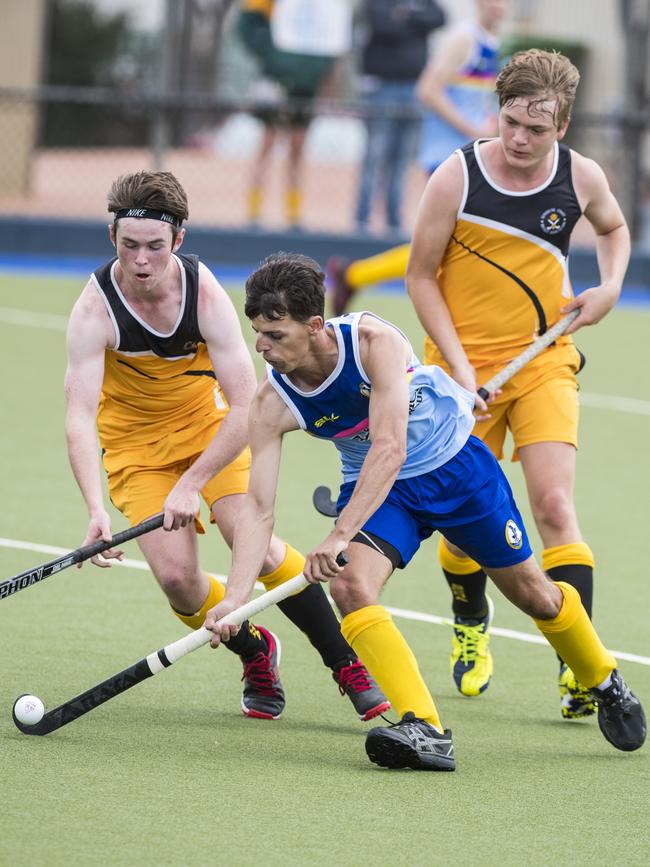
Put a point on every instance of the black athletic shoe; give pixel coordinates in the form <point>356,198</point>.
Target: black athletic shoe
<point>263,696</point>
<point>620,715</point>
<point>411,743</point>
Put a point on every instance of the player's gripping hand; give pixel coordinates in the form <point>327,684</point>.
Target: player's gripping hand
<point>99,527</point>
<point>321,563</point>
<point>465,375</point>
<point>222,631</point>
<point>181,506</point>
<point>593,303</point>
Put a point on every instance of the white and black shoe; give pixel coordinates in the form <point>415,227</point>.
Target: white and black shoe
<point>620,714</point>
<point>411,743</point>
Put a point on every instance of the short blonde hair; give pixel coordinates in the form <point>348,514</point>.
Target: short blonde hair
<point>540,76</point>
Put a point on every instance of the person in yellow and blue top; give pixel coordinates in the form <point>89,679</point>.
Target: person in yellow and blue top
<point>158,366</point>
<point>410,466</point>
<point>488,273</point>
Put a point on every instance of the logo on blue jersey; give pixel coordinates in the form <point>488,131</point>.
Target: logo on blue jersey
<point>552,221</point>
<point>514,536</point>
<point>325,418</point>
<point>364,389</point>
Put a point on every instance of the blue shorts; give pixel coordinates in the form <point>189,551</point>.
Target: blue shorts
<point>469,499</point>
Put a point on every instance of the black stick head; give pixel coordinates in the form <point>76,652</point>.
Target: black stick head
<point>323,502</point>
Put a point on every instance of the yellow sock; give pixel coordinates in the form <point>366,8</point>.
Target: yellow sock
<point>293,204</point>
<point>381,647</point>
<point>575,640</point>
<point>292,565</point>
<point>451,563</point>
<point>575,553</point>
<point>215,594</point>
<point>389,265</point>
<point>254,203</point>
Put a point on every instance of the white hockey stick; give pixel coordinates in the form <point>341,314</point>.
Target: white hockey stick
<point>527,355</point>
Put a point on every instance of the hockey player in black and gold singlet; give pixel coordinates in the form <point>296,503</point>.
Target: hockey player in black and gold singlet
<point>158,367</point>
<point>488,274</point>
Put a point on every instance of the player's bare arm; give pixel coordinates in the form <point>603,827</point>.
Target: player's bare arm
<point>90,333</point>
<point>269,420</point>
<point>434,225</point>
<point>449,58</point>
<point>385,356</point>
<point>235,374</point>
<point>612,242</point>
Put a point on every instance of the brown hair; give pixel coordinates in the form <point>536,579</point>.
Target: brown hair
<point>286,284</point>
<point>160,191</point>
<point>540,76</point>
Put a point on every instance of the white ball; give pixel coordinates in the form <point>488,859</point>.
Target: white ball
<point>29,710</point>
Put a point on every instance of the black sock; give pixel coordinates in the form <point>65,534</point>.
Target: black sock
<point>468,592</point>
<point>312,613</point>
<point>248,642</point>
<point>580,576</point>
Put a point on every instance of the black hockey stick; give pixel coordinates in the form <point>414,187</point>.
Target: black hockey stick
<point>323,502</point>
<point>38,573</point>
<point>156,662</point>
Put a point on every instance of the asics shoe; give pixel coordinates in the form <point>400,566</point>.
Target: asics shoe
<point>471,660</point>
<point>355,681</point>
<point>340,289</point>
<point>576,700</point>
<point>411,743</point>
<point>263,696</point>
<point>620,715</point>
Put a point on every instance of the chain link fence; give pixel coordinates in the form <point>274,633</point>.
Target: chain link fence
<point>64,147</point>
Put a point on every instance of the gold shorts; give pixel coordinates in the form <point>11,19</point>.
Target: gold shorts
<point>539,404</point>
<point>139,492</point>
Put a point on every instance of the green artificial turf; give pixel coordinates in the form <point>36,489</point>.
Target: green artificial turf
<point>171,773</point>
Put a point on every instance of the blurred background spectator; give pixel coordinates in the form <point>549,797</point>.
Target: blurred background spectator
<point>296,43</point>
<point>92,88</point>
<point>394,54</point>
<point>457,85</point>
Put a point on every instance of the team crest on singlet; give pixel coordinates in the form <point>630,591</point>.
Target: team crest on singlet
<point>364,389</point>
<point>553,220</point>
<point>514,536</point>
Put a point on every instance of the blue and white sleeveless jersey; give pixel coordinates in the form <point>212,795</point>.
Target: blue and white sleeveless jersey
<point>440,411</point>
<point>471,92</point>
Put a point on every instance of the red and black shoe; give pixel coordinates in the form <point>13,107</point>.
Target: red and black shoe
<point>355,681</point>
<point>340,289</point>
<point>263,696</point>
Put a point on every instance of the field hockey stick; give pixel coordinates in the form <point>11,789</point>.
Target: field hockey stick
<point>157,661</point>
<point>535,348</point>
<point>33,576</point>
<point>323,502</point>
<point>322,496</point>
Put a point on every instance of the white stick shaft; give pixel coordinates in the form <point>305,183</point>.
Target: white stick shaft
<point>527,355</point>
<point>202,636</point>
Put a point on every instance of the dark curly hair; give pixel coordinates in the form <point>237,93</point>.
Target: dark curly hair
<point>286,284</point>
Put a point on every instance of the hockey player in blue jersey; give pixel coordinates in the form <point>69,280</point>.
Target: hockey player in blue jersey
<point>410,467</point>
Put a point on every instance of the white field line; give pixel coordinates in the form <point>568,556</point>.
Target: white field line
<point>55,322</point>
<point>33,319</point>
<point>612,402</point>
<point>404,613</point>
